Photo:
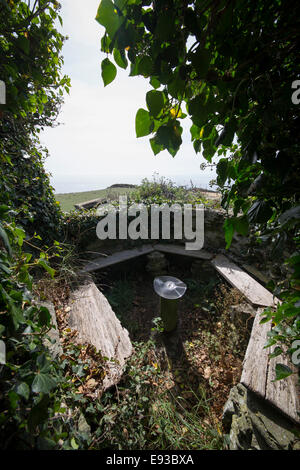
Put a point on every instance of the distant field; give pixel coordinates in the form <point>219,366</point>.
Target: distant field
<point>68,200</point>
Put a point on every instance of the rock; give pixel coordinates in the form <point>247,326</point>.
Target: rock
<point>254,424</point>
<point>157,263</point>
<point>202,269</point>
<point>242,309</point>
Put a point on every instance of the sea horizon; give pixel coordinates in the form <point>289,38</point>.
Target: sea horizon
<point>65,184</point>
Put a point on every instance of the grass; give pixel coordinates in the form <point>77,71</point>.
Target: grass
<point>67,200</point>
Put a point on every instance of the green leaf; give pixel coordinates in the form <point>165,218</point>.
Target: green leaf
<point>143,123</point>
<point>120,58</point>
<point>277,352</point>
<point>222,169</point>
<point>20,234</point>
<point>229,231</point>
<point>145,66</point>
<point>108,17</point>
<point>154,82</point>
<point>74,444</point>
<point>201,60</point>
<point>241,225</point>
<point>44,316</point>
<point>155,102</point>
<point>169,136</point>
<point>16,313</point>
<point>282,371</point>
<point>155,146</point>
<point>45,265</point>
<point>43,383</point>
<point>39,413</point>
<point>177,88</point>
<point>109,71</point>
<point>23,390</point>
<point>24,44</point>
<point>5,240</point>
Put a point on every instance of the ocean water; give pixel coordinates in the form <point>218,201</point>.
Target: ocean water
<point>74,184</point>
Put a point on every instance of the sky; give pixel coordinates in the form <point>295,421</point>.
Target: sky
<point>95,145</point>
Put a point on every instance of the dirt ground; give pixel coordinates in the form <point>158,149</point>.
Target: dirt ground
<point>206,351</point>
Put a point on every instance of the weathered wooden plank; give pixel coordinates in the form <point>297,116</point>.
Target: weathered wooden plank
<point>252,290</point>
<point>180,250</point>
<point>255,366</point>
<point>92,316</point>
<point>118,257</point>
<point>285,394</point>
<point>89,204</point>
<point>259,372</point>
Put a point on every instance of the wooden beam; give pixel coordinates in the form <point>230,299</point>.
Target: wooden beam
<point>259,372</point>
<point>285,393</point>
<point>249,287</point>
<point>180,250</point>
<point>118,257</point>
<point>255,366</point>
<point>92,316</point>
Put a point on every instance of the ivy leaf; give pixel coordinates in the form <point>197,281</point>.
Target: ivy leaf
<point>155,102</point>
<point>143,123</point>
<point>39,413</point>
<point>23,390</point>
<point>277,352</point>
<point>44,316</point>
<point>43,383</point>
<point>282,371</point>
<point>16,313</point>
<point>74,444</point>
<point>5,240</point>
<point>109,71</point>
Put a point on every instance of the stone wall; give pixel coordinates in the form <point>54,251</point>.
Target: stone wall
<point>253,424</point>
<point>213,237</point>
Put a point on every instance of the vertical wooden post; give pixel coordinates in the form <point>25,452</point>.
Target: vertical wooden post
<point>169,313</point>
